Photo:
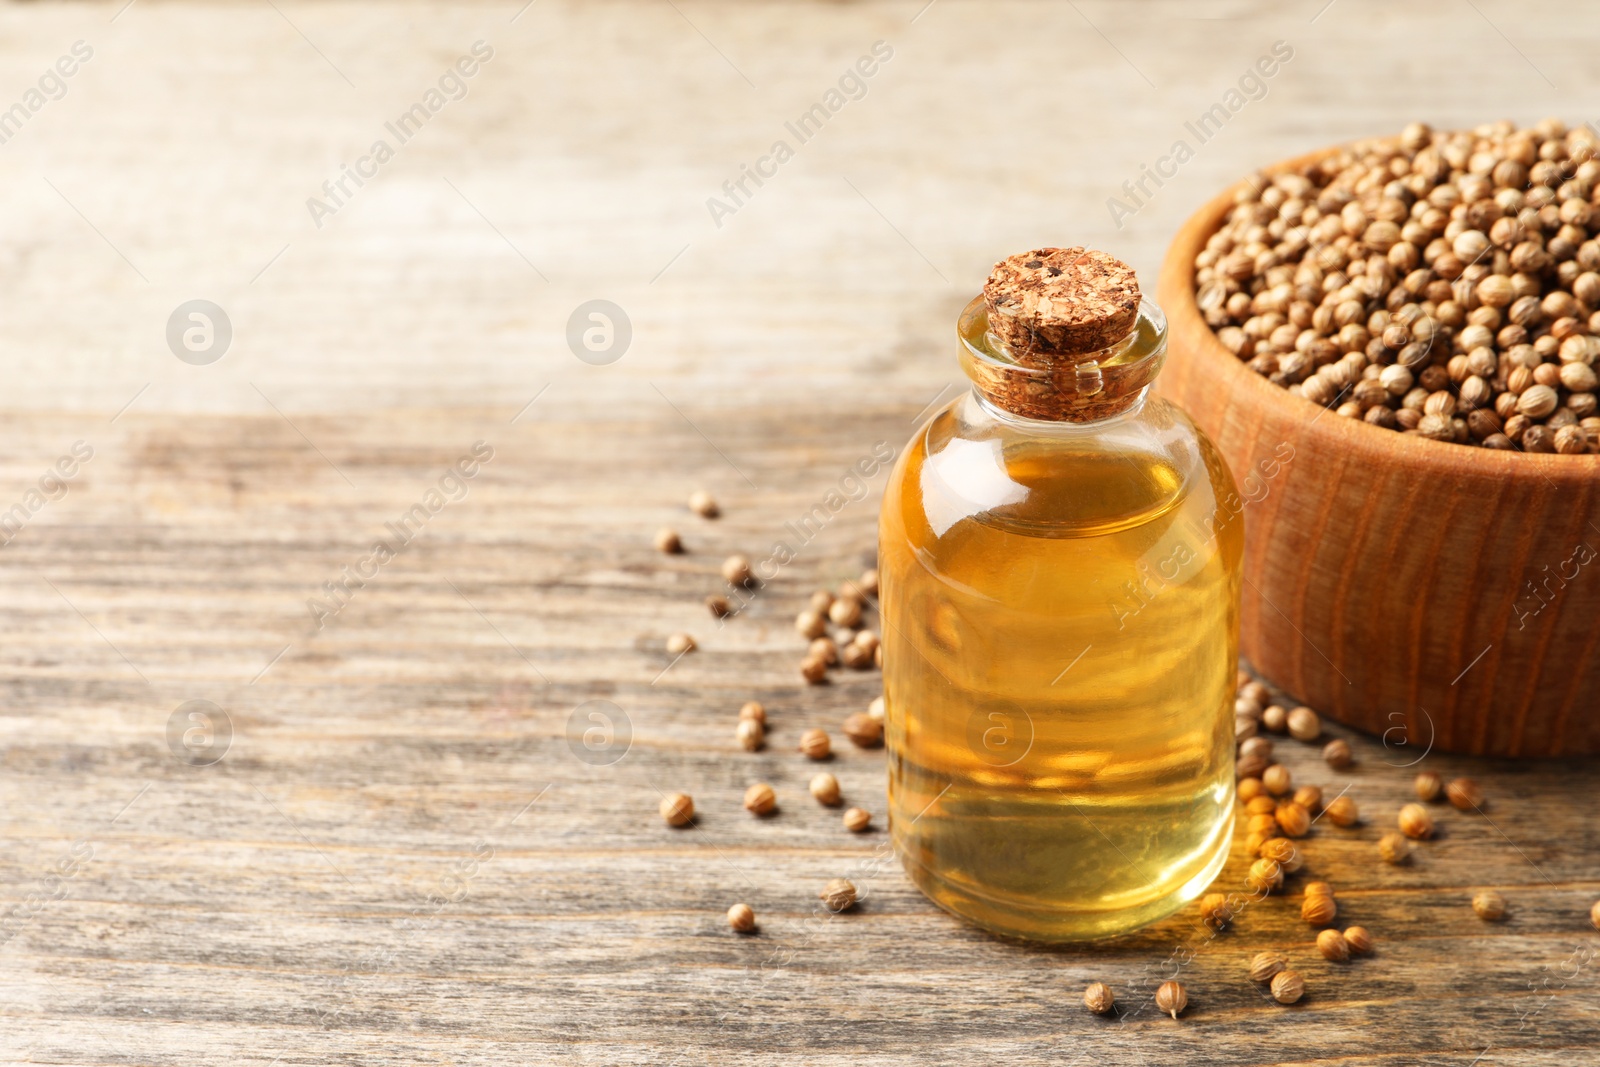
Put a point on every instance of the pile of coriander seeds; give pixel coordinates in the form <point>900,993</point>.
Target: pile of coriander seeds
<point>1444,284</point>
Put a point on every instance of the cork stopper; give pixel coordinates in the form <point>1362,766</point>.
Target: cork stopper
<point>1055,302</point>
<point>1062,334</point>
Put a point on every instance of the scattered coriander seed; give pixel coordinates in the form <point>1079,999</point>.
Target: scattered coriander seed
<point>1256,692</point>
<point>1254,841</point>
<point>1342,811</point>
<point>1304,724</point>
<point>1244,727</point>
<point>1171,998</point>
<point>1333,945</point>
<point>1264,876</point>
<point>736,570</point>
<point>1309,797</point>
<point>1275,719</point>
<point>814,670</point>
<point>1098,999</point>
<point>814,743</point>
<point>1464,794</point>
<point>1428,786</point>
<point>677,809</point>
<point>1277,780</point>
<point>1283,852</point>
<point>753,709</point>
<point>1489,905</point>
<point>759,799</point>
<point>875,710</point>
<point>856,820</point>
<point>863,730</point>
<point>1247,709</point>
<point>1336,754</point>
<point>1249,789</point>
<point>1264,966</point>
<point>741,918</point>
<point>1261,805</point>
<point>1288,987</point>
<point>821,601</point>
<point>680,643</point>
<point>751,734</point>
<point>1216,911</point>
<point>1415,822</point>
<point>866,639</point>
<point>1594,915</point>
<point>825,787</point>
<point>1265,824</point>
<point>846,611</point>
<point>668,541</point>
<point>702,504</point>
<point>877,657</point>
<point>1257,746</point>
<point>824,648</point>
<point>811,624</point>
<point>838,895</point>
<point>1394,848</point>
<point>718,606</point>
<point>1359,940</point>
<point>1250,765</point>
<point>868,582</point>
<point>856,656</point>
<point>1295,820</point>
<point>1319,909</point>
<point>1318,889</point>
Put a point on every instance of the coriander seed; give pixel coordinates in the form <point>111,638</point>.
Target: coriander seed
<point>718,606</point>
<point>814,743</point>
<point>868,582</point>
<point>1294,820</point>
<point>1260,805</point>
<point>857,820</point>
<point>1428,786</point>
<point>1336,754</point>
<point>863,730</point>
<point>742,918</point>
<point>1304,724</point>
<point>677,809</point>
<point>1288,987</point>
<point>1264,876</point>
<point>824,649</point>
<point>838,895</point>
<point>814,669</point>
<point>1415,822</point>
<point>1216,911</point>
<point>759,799</point>
<point>736,570</point>
<point>750,734</point>
<point>1275,719</point>
<point>1257,746</point>
<point>1264,966</point>
<point>1276,779</point>
<point>846,611</point>
<point>1171,998</point>
<point>1342,811</point>
<point>1394,848</point>
<point>821,601</point>
<point>1489,905</point>
<point>668,541</point>
<point>1464,794</point>
<point>1283,852</point>
<point>1098,999</point>
<point>856,656</point>
<point>1248,789</point>
<point>753,709</point>
<point>679,644</point>
<point>875,710</point>
<point>825,787</point>
<point>1333,945</point>
<point>811,624</point>
<point>702,504</point>
<point>1309,797</point>
<point>1594,915</point>
<point>1256,692</point>
<point>1319,909</point>
<point>1359,940</point>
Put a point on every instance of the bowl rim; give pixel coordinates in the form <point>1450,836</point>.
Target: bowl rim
<point>1176,291</point>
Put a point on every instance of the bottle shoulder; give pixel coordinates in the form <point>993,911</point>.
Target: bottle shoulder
<point>1053,479</point>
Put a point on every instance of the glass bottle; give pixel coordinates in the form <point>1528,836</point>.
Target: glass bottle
<point>1060,564</point>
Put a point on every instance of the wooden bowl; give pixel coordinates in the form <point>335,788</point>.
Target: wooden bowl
<point>1434,594</point>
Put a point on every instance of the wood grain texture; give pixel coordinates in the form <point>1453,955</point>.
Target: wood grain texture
<point>1442,629</point>
<point>401,859</point>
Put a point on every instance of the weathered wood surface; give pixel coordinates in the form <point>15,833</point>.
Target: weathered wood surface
<point>400,859</point>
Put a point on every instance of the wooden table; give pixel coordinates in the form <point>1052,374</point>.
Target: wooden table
<point>399,857</point>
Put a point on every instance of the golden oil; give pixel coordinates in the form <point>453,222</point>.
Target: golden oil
<point>1060,627</point>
